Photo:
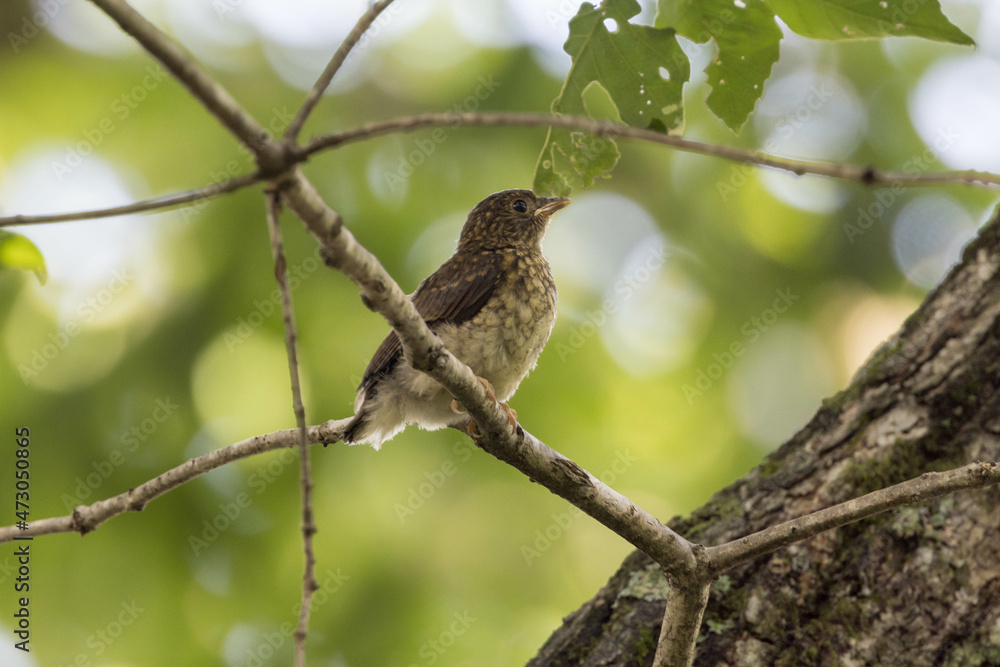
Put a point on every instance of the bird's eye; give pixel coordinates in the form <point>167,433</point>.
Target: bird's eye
<point>520,206</point>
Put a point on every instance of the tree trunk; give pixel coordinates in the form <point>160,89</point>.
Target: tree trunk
<point>917,586</point>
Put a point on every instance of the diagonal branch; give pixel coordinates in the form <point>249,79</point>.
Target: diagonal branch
<point>866,175</point>
<point>309,584</point>
<point>424,351</point>
<point>365,22</point>
<point>688,598</point>
<point>86,518</point>
<point>927,486</point>
<point>167,201</point>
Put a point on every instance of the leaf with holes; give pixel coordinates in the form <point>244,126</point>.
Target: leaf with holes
<point>621,71</point>
<point>18,252</point>
<point>868,19</point>
<point>747,39</point>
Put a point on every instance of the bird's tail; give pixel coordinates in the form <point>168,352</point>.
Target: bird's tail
<point>354,432</point>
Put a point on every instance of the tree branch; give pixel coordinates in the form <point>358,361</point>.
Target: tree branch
<point>198,194</point>
<point>686,604</point>
<point>292,133</point>
<point>271,155</point>
<point>309,584</point>
<point>86,518</point>
<point>687,598</point>
<point>929,485</point>
<point>866,175</point>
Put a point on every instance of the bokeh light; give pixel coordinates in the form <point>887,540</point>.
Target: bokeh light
<point>809,114</point>
<point>86,257</point>
<point>779,383</point>
<point>953,108</point>
<point>106,281</point>
<point>928,236</point>
<point>239,383</point>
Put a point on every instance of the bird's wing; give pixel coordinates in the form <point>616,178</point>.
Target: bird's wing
<point>454,293</point>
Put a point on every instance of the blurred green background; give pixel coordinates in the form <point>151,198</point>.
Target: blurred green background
<point>706,309</point>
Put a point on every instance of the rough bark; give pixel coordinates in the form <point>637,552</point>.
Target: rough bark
<point>917,586</point>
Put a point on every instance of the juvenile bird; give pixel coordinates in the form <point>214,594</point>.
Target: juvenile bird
<point>493,304</point>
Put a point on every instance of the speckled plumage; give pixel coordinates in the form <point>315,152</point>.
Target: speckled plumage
<point>493,304</point>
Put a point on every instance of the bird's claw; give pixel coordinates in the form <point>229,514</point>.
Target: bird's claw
<point>488,387</point>
<point>511,414</point>
<point>473,428</point>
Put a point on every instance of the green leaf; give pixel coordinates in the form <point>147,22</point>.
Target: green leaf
<point>747,38</point>
<point>631,73</point>
<point>18,252</point>
<point>868,19</point>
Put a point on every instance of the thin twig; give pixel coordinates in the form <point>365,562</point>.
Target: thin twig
<point>167,201</point>
<point>86,518</point>
<point>687,598</point>
<point>929,485</point>
<point>866,175</point>
<point>323,82</point>
<point>309,584</point>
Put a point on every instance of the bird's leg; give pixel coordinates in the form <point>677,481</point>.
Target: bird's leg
<point>511,413</point>
<point>472,428</point>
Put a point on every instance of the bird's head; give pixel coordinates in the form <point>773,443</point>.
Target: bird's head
<point>509,219</point>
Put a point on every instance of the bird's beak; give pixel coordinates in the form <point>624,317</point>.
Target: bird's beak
<point>550,205</point>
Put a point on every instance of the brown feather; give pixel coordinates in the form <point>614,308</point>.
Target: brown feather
<point>454,293</point>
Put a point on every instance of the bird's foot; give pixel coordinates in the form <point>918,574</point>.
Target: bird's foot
<point>511,414</point>
<point>472,428</point>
